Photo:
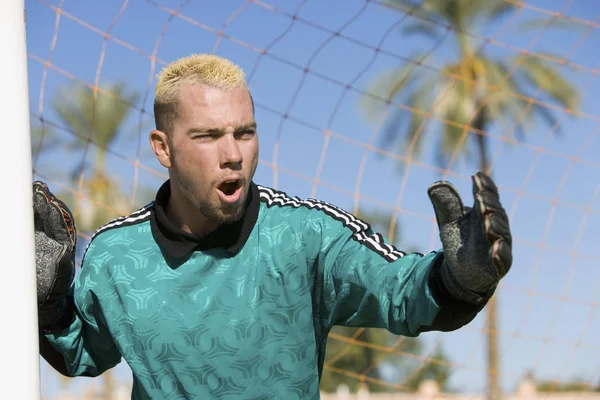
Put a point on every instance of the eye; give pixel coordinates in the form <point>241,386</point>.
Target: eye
<point>247,133</point>
<point>203,136</point>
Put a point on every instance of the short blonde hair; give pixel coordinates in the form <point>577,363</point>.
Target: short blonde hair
<point>196,69</point>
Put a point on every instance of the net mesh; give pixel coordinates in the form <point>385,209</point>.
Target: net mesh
<point>328,132</point>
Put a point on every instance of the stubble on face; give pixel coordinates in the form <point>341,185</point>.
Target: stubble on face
<point>202,202</point>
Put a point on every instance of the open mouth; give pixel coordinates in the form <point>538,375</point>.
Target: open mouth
<point>230,190</point>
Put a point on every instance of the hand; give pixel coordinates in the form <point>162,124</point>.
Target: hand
<point>55,241</point>
<point>477,241</point>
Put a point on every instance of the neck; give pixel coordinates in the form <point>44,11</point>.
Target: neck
<point>185,216</point>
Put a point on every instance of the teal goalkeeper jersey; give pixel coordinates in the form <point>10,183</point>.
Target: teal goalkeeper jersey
<point>245,312</point>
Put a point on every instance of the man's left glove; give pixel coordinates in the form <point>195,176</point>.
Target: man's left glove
<point>55,241</point>
<point>477,241</point>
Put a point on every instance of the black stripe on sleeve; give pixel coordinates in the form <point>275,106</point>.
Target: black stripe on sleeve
<point>360,229</point>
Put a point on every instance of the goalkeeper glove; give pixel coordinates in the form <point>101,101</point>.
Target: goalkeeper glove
<point>55,241</point>
<point>477,241</point>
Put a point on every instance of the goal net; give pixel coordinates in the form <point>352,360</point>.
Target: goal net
<point>362,104</point>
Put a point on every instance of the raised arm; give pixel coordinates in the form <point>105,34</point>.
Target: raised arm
<point>365,281</point>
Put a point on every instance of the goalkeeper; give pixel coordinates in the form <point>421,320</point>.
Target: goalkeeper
<point>224,289</point>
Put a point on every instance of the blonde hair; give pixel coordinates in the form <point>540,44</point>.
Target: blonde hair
<point>196,69</point>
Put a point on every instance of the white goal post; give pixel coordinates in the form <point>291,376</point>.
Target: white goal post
<point>19,369</point>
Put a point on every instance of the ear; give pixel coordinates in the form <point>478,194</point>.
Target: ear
<point>160,145</point>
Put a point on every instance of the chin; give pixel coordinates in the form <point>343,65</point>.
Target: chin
<point>229,213</point>
<point>221,211</point>
<point>233,216</point>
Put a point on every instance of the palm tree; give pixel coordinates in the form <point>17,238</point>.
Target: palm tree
<point>95,119</point>
<point>472,90</point>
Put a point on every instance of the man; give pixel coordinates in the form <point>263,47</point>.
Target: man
<point>223,289</point>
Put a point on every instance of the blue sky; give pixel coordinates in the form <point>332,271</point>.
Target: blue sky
<point>549,183</point>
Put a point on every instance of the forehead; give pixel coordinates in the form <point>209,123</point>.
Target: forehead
<point>204,105</point>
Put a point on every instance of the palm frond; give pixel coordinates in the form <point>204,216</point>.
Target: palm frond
<point>421,101</point>
<point>543,75</point>
<point>418,101</point>
<point>94,116</point>
<point>394,129</point>
<point>504,98</point>
<point>418,9</point>
<point>546,115</point>
<point>550,22</point>
<point>43,139</point>
<point>509,102</point>
<point>425,28</point>
<point>458,108</point>
<point>494,9</point>
<point>517,120</point>
<point>393,126</point>
<point>386,87</point>
<point>68,104</point>
<point>473,81</point>
<point>461,14</point>
<point>115,102</point>
<point>453,11</point>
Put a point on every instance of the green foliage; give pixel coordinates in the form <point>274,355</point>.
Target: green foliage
<point>577,385</point>
<point>92,121</point>
<point>95,119</point>
<point>471,90</point>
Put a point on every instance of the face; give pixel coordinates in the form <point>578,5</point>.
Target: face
<point>212,152</point>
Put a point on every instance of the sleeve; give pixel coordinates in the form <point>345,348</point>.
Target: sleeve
<point>364,281</point>
<point>81,344</point>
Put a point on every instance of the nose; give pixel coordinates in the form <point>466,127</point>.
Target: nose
<point>231,154</point>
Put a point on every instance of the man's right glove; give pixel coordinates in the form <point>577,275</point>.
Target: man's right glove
<point>55,241</point>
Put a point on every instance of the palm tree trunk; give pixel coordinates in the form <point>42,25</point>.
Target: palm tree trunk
<point>108,390</point>
<point>494,391</point>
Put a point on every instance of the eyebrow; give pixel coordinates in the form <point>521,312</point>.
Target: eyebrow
<point>209,129</point>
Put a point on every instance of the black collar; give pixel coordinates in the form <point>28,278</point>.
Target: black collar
<point>179,244</point>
